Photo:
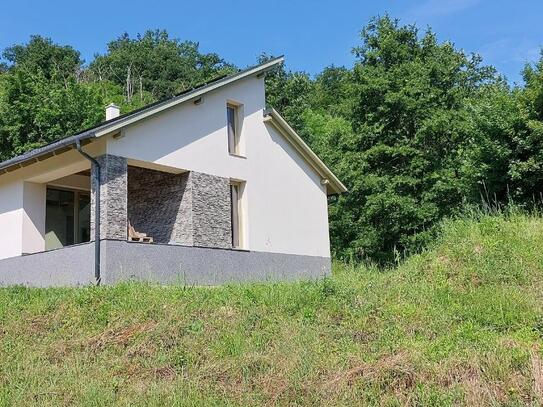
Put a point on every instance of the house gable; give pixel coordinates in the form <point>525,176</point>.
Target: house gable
<point>119,125</point>
<point>283,192</point>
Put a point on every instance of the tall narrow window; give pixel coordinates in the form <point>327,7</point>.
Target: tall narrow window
<point>233,128</point>
<point>235,195</point>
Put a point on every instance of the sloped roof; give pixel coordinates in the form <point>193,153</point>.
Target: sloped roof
<point>334,185</point>
<point>109,126</point>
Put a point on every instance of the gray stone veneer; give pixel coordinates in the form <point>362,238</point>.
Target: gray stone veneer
<point>190,208</point>
<point>160,205</point>
<point>211,211</point>
<point>113,197</point>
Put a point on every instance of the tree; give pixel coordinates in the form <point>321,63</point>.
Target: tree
<point>287,92</point>
<point>156,65</point>
<point>404,157</point>
<point>41,97</point>
<point>526,166</point>
<point>42,56</point>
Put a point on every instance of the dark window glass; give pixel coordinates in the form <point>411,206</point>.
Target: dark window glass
<point>231,124</point>
<point>59,219</point>
<point>83,227</point>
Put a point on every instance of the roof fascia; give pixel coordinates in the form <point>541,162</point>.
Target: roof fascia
<point>273,117</point>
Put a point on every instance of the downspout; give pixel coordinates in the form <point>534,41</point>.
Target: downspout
<point>96,213</point>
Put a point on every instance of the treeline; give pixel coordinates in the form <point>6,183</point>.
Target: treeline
<point>417,129</point>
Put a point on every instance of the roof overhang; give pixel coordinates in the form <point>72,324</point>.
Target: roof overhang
<point>43,153</point>
<point>333,184</point>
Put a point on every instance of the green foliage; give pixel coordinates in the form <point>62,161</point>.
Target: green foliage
<point>155,64</point>
<point>416,130</point>
<point>287,92</point>
<point>459,324</point>
<point>41,55</point>
<point>410,131</point>
<point>527,163</point>
<point>42,98</point>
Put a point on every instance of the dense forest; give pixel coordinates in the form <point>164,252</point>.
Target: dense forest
<point>417,129</point>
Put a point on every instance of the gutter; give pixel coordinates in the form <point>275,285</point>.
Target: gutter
<point>43,153</point>
<point>97,270</point>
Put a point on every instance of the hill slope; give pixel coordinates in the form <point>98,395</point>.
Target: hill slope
<point>459,324</point>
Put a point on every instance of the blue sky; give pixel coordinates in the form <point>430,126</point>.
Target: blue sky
<point>311,34</point>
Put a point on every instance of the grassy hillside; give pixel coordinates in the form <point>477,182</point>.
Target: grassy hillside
<point>461,324</point>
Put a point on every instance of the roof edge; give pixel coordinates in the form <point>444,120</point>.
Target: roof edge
<point>309,155</point>
<point>42,153</point>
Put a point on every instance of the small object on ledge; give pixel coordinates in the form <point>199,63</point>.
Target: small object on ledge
<point>134,236</point>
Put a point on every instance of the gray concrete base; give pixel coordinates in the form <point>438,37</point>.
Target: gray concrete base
<point>169,264</point>
<point>158,263</point>
<point>69,266</point>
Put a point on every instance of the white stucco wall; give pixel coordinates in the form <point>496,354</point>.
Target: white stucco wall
<point>34,196</point>
<point>11,218</point>
<point>22,218</point>
<point>285,205</point>
<point>23,194</point>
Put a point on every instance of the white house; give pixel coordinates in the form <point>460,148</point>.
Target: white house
<point>203,188</point>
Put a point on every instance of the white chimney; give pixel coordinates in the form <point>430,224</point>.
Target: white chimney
<point>112,111</point>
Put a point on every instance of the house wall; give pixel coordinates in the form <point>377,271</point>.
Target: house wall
<point>22,218</point>
<point>167,264</point>
<point>22,199</point>
<point>11,218</point>
<point>34,202</point>
<point>157,263</point>
<point>68,266</point>
<point>284,203</point>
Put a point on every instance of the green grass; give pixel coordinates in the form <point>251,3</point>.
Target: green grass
<point>461,324</point>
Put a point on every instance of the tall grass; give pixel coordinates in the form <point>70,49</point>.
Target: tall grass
<point>459,324</point>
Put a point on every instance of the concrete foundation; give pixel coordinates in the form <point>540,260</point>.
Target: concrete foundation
<point>157,263</point>
<point>69,266</point>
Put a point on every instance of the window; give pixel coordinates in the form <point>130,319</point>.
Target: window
<point>67,218</point>
<point>233,124</point>
<point>236,190</point>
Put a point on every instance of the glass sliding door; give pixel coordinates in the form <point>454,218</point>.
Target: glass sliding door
<point>67,218</point>
<point>59,218</point>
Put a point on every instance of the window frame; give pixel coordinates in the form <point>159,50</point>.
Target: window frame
<point>237,220</point>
